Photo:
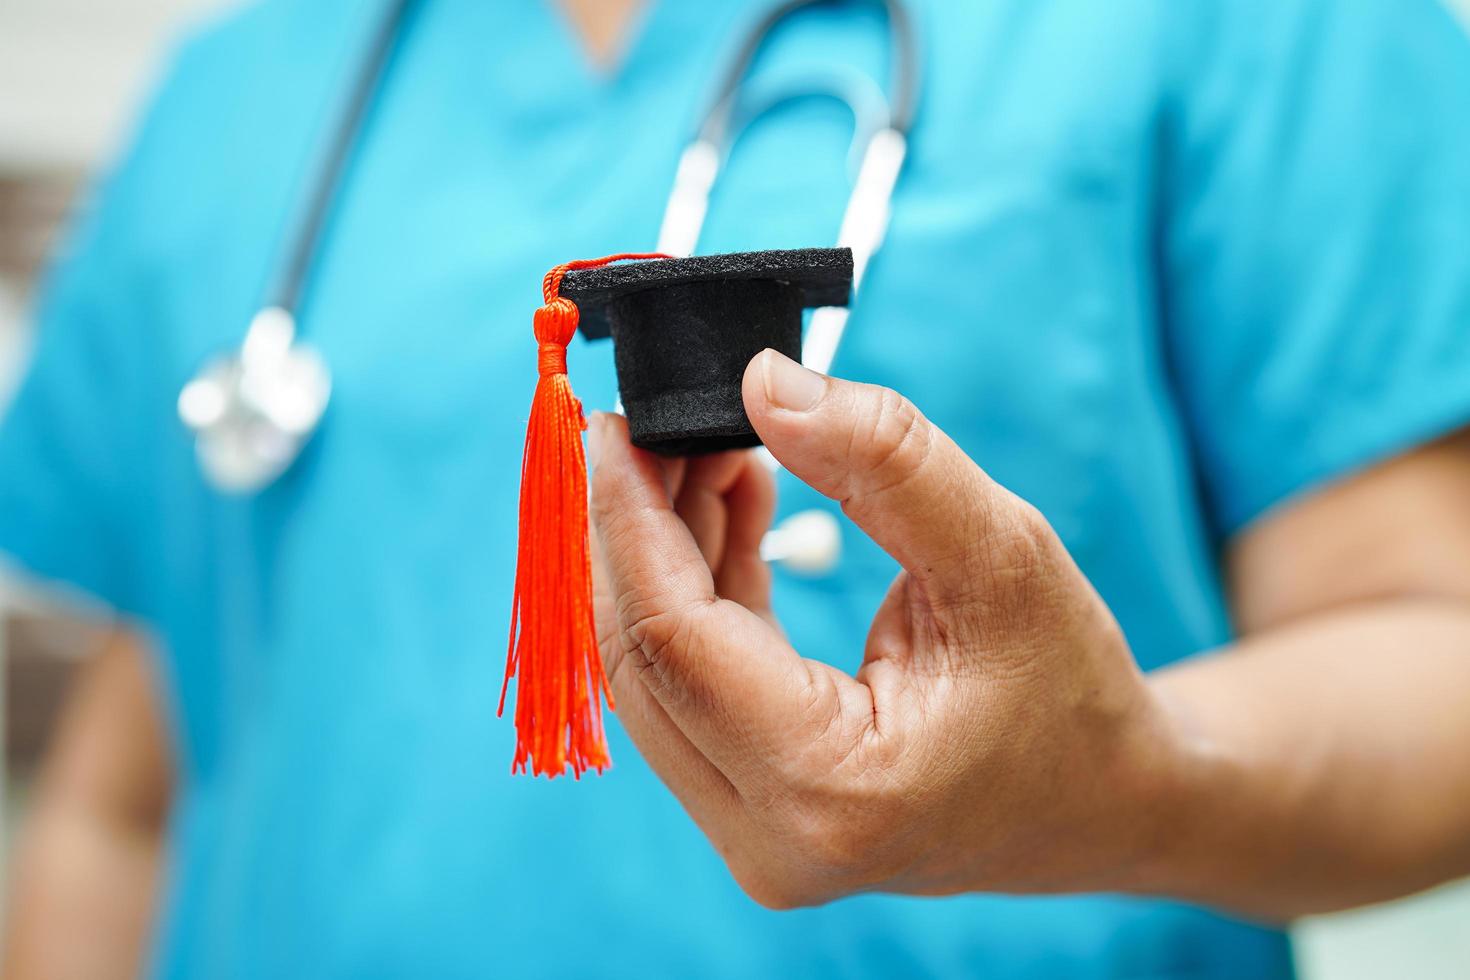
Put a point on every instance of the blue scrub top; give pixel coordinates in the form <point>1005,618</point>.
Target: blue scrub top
<point>1158,267</point>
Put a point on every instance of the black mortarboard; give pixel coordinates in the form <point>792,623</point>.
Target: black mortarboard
<point>683,331</point>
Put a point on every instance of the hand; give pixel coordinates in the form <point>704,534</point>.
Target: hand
<point>998,735</point>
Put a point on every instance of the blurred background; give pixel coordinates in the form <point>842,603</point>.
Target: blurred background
<point>72,75</point>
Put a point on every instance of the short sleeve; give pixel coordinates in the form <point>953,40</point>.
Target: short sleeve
<point>74,459</point>
<point>1316,241</point>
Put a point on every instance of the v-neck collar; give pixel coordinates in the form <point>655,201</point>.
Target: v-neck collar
<point>628,46</point>
<point>660,32</point>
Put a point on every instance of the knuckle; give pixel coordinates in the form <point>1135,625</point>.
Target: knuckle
<point>608,645</point>
<point>819,703</point>
<point>835,848</point>
<point>765,871</point>
<point>1028,522</point>
<point>834,837</point>
<point>837,844</point>
<point>1032,548</point>
<point>1015,581</point>
<point>614,659</point>
<point>891,441</point>
<point>1020,555</point>
<point>771,891</point>
<point>1017,561</point>
<point>652,634</point>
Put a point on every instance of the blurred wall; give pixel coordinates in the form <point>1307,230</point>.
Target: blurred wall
<point>72,73</point>
<point>72,70</point>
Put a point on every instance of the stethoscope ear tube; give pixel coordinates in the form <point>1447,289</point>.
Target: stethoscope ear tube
<point>864,226</point>
<point>809,542</point>
<point>688,202</point>
<point>903,101</point>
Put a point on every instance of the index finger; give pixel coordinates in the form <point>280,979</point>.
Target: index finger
<point>728,680</point>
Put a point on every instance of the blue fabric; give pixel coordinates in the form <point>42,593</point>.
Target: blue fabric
<point>1159,269</point>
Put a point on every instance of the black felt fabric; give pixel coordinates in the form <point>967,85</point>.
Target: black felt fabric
<point>680,358</point>
<point>683,331</point>
<point>824,276</point>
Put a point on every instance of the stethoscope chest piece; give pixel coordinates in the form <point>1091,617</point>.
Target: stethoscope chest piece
<point>253,410</point>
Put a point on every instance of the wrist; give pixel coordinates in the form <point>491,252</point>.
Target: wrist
<point>1140,816</point>
<point>1186,786</point>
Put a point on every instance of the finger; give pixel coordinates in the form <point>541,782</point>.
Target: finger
<point>901,479</point>
<point>700,787</point>
<point>726,501</point>
<point>673,468</point>
<point>701,505</point>
<point>722,675</point>
<point>743,576</point>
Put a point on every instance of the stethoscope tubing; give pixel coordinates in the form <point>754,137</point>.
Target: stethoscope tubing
<point>715,127</point>
<point>326,187</point>
<point>228,390</point>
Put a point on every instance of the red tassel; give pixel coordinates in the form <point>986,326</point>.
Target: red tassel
<point>553,642</point>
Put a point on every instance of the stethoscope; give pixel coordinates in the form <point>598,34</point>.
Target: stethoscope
<point>253,410</point>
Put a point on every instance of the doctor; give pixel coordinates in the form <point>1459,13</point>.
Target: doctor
<point>1182,292</point>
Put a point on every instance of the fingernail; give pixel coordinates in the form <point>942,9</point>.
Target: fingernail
<point>789,385</point>
<point>594,439</point>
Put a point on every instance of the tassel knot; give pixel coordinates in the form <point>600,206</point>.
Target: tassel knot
<point>556,322</point>
<point>551,359</point>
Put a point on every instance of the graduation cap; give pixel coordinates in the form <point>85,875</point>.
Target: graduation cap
<point>683,331</point>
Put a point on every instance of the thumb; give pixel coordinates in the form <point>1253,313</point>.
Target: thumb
<point>899,478</point>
